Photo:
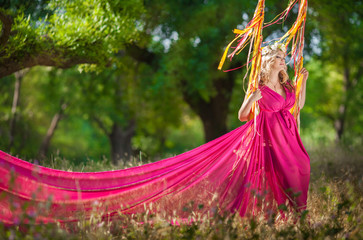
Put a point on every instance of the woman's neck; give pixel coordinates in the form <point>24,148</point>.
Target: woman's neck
<point>274,78</point>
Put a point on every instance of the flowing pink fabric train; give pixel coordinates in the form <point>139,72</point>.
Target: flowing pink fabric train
<point>238,171</point>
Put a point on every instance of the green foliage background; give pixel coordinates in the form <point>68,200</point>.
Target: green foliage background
<point>187,39</point>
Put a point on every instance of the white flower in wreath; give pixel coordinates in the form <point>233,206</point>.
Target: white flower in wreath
<point>273,47</point>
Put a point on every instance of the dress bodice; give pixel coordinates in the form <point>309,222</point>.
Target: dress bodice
<point>273,101</point>
<point>276,108</point>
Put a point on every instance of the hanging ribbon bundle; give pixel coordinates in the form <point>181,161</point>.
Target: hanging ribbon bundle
<point>253,34</point>
<point>296,34</point>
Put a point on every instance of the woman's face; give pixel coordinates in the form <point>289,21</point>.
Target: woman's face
<point>279,62</point>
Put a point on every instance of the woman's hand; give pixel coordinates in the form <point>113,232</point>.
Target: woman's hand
<point>305,74</point>
<point>256,95</point>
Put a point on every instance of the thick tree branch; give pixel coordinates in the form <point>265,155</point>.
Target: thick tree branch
<point>7,22</point>
<point>140,54</point>
<point>9,66</point>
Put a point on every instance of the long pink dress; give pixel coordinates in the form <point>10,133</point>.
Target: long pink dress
<point>238,172</point>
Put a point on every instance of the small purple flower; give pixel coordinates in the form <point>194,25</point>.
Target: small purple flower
<point>16,221</point>
<point>16,205</point>
<point>32,213</point>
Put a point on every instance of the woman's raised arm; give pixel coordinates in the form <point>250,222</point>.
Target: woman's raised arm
<point>305,74</point>
<point>245,109</point>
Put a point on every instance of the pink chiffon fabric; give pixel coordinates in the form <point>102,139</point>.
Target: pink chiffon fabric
<point>238,172</point>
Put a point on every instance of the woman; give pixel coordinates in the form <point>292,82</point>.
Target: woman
<point>239,172</point>
<point>285,161</point>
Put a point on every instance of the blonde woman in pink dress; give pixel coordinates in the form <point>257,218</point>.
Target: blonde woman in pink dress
<point>283,173</point>
<point>253,169</point>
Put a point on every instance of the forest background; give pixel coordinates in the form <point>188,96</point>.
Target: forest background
<point>111,81</point>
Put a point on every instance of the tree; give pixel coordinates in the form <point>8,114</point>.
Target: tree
<point>339,26</point>
<point>14,108</point>
<point>194,34</point>
<point>72,32</point>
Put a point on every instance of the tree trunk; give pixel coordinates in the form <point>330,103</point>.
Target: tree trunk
<point>120,140</point>
<point>214,112</point>
<point>339,123</point>
<point>14,109</point>
<point>43,150</point>
<point>350,83</point>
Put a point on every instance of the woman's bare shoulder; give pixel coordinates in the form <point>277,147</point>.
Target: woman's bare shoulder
<point>261,86</point>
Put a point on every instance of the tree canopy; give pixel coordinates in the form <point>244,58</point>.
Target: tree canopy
<point>66,33</point>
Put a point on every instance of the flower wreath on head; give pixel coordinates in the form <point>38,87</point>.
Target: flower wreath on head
<point>273,47</point>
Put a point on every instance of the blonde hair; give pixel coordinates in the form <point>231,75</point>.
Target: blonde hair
<point>268,58</point>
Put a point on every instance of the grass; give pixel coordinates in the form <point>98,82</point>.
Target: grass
<point>334,210</point>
